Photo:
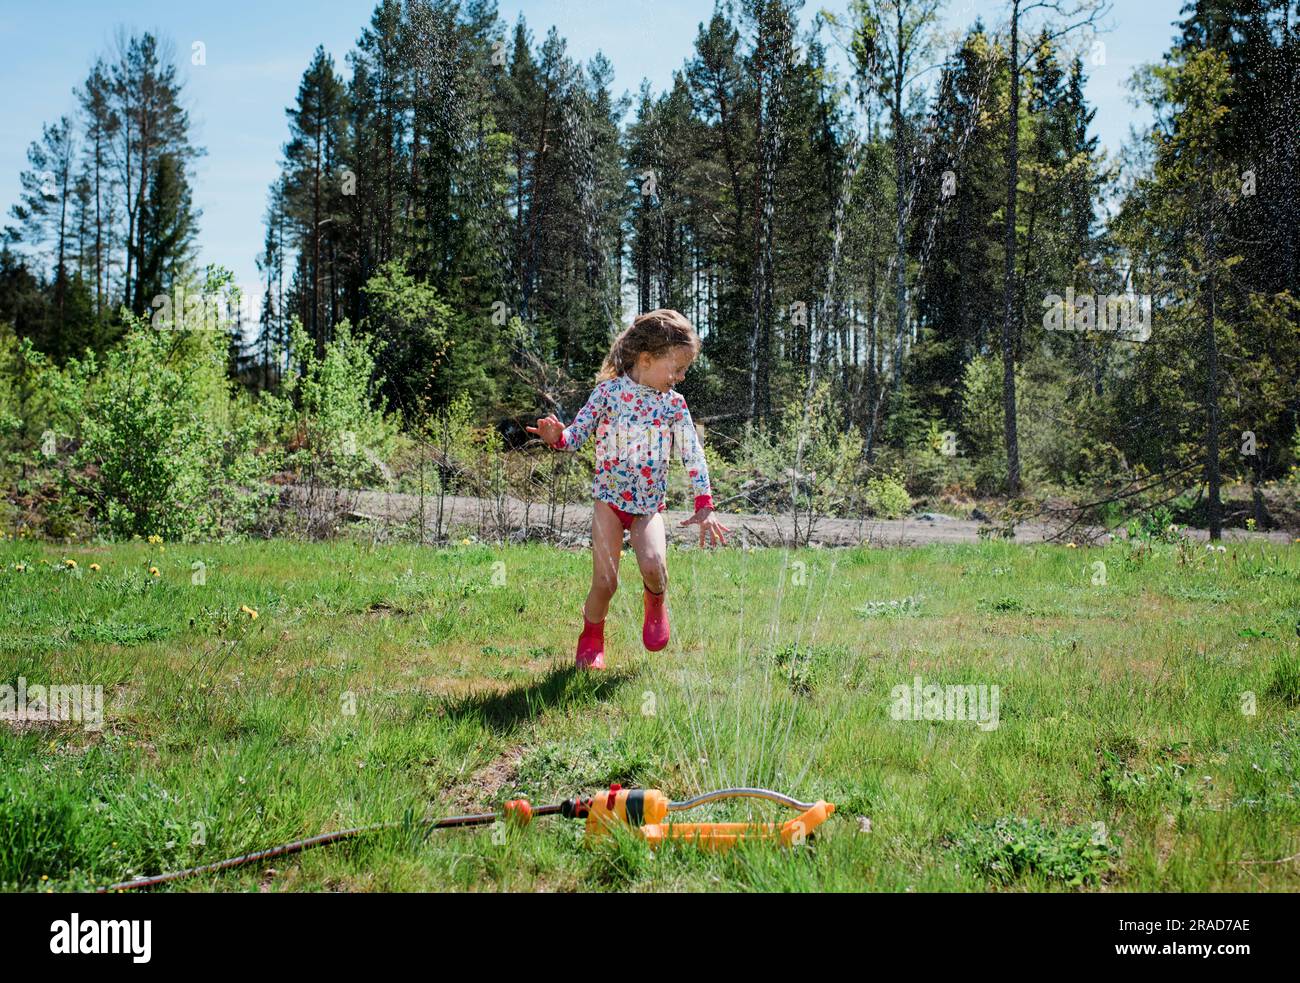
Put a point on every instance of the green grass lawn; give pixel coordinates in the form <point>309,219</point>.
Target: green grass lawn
<point>378,685</point>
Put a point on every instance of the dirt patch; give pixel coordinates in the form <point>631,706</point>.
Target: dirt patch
<point>482,791</point>
<point>20,723</point>
<point>381,610</point>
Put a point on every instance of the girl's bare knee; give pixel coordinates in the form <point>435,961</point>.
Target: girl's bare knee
<point>655,574</point>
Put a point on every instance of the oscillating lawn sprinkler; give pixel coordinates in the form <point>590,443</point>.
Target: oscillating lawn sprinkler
<point>642,810</point>
<point>645,811</point>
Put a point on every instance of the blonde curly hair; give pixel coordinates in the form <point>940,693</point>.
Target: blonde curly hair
<point>655,332</point>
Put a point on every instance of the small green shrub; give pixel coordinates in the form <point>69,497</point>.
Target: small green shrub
<point>1013,847</point>
<point>1002,605</point>
<point>148,431</point>
<point>342,438</point>
<point>797,667</point>
<point>887,498</point>
<point>151,437</point>
<point>1164,781</point>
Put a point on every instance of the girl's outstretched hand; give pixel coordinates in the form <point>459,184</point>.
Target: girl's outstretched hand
<point>709,526</point>
<point>549,429</point>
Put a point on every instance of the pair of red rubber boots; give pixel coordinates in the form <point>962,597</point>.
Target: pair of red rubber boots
<point>654,632</point>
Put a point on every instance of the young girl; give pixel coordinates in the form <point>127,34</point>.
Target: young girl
<point>640,423</point>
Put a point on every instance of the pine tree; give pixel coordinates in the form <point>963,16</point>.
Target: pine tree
<point>314,186</point>
<point>168,224</point>
<point>959,289</point>
<point>145,95</point>
<point>101,126</point>
<point>45,208</point>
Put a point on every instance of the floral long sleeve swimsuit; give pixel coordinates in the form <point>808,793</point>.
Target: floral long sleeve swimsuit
<point>638,432</point>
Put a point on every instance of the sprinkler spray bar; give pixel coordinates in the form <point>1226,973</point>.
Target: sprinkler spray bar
<point>641,810</point>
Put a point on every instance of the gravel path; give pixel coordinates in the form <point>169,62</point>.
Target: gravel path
<point>571,524</point>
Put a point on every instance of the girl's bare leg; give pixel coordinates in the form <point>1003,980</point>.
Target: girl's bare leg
<point>606,548</point>
<point>650,541</point>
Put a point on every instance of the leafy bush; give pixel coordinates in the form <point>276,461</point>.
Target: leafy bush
<point>1154,524</point>
<point>26,412</point>
<point>146,430</point>
<point>410,325</point>
<point>159,443</point>
<point>887,498</point>
<point>982,422</point>
<point>1060,423</point>
<point>805,467</point>
<point>339,436</point>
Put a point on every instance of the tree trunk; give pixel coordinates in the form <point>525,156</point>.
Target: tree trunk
<point>61,271</point>
<point>756,287</point>
<point>1009,247</point>
<point>141,207</point>
<point>1214,508</point>
<point>99,227</point>
<point>900,221</point>
<point>317,329</point>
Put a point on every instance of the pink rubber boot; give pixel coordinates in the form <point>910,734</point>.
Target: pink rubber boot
<point>654,630</point>
<point>591,644</point>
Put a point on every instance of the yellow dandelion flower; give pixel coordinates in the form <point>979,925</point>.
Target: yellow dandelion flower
<point>153,572</point>
<point>94,566</point>
<point>71,564</point>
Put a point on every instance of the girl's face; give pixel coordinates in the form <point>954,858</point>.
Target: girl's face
<point>665,371</point>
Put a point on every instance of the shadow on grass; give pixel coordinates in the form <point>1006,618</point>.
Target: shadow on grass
<point>561,686</point>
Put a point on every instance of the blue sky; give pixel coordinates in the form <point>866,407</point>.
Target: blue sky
<point>256,51</point>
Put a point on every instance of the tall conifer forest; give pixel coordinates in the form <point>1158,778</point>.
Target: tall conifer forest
<point>919,281</point>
